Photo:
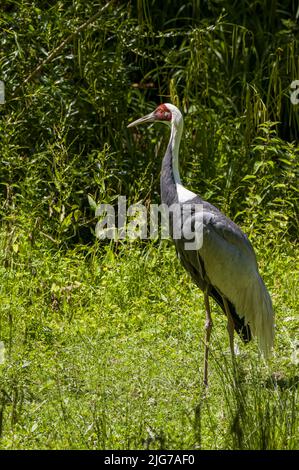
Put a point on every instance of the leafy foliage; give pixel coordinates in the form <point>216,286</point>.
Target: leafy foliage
<point>72,85</point>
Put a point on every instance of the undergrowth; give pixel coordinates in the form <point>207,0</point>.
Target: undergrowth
<point>106,351</point>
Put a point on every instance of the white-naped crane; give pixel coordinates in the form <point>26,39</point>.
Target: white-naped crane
<point>224,266</point>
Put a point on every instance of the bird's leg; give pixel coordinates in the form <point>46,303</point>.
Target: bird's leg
<point>208,328</point>
<point>230,327</point>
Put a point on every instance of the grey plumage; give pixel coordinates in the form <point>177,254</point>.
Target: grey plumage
<point>224,266</point>
<point>193,261</point>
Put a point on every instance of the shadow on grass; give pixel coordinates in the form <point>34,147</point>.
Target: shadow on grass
<point>279,380</point>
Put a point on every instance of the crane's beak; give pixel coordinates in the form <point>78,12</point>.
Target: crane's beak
<point>148,118</point>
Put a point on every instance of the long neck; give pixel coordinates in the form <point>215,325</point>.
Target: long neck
<point>170,176</point>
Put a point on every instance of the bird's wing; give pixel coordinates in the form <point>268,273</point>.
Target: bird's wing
<point>226,252</point>
<point>219,227</point>
<point>214,234</point>
<point>200,221</point>
<point>230,266</point>
<point>210,244</point>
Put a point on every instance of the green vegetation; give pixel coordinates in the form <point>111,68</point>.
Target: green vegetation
<point>104,341</point>
<point>106,351</point>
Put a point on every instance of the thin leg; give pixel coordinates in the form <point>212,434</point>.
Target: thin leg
<point>208,328</point>
<point>230,327</point>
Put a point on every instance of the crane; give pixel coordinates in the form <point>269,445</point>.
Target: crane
<point>224,267</point>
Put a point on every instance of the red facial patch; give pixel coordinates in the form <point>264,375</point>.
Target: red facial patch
<point>162,113</point>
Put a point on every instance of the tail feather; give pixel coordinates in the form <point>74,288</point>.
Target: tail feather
<point>252,314</point>
<point>258,313</point>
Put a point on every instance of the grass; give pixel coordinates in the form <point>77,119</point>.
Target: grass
<point>104,351</point>
<point>104,344</point>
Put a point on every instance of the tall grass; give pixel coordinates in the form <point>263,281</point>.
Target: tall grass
<point>107,352</point>
<point>72,84</point>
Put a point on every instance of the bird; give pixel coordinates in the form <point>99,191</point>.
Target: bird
<point>224,264</point>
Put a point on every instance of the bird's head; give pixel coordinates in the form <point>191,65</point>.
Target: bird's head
<point>163,113</point>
